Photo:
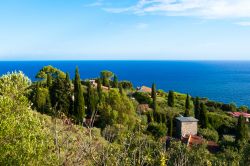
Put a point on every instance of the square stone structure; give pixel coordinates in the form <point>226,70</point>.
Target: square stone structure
<point>186,126</point>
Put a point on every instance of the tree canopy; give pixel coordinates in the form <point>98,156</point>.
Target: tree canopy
<point>54,72</point>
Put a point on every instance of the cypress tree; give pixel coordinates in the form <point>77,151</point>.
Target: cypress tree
<point>242,130</point>
<point>153,95</point>
<point>37,96</point>
<point>197,108</point>
<point>170,126</point>
<point>99,88</point>
<point>79,106</point>
<point>61,95</point>
<point>68,79</point>
<point>171,99</point>
<point>115,82</point>
<point>203,116</point>
<point>91,100</point>
<point>187,106</point>
<point>69,94</point>
<point>153,92</point>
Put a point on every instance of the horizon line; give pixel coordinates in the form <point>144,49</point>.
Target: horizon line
<point>18,60</point>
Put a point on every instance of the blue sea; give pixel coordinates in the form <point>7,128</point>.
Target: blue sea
<point>224,81</point>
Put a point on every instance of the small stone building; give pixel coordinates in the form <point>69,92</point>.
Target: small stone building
<point>186,126</point>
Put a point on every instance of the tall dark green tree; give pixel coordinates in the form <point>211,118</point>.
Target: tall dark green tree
<point>153,92</point>
<point>153,95</point>
<point>197,108</point>
<point>115,82</point>
<point>79,105</point>
<point>69,87</point>
<point>187,106</point>
<point>203,116</point>
<point>91,100</point>
<point>170,126</point>
<point>68,79</point>
<point>242,130</point>
<point>99,88</point>
<point>61,95</point>
<point>171,99</point>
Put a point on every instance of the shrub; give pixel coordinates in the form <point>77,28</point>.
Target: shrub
<point>142,98</point>
<point>209,134</point>
<point>23,139</point>
<point>158,130</point>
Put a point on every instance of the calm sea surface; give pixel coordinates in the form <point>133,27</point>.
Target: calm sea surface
<point>225,81</point>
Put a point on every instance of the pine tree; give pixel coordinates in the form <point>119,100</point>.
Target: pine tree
<point>171,99</point>
<point>106,76</point>
<point>197,108</point>
<point>242,130</point>
<point>79,106</point>
<point>120,89</point>
<point>49,80</point>
<point>187,106</point>
<point>203,116</point>
<point>115,82</point>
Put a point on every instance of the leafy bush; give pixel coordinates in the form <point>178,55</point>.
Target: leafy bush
<point>209,134</point>
<point>217,120</point>
<point>23,140</point>
<point>142,98</point>
<point>158,130</point>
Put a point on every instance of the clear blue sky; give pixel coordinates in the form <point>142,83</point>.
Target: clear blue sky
<point>124,29</point>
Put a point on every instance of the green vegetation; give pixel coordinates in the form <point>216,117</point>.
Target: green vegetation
<point>115,82</point>
<point>59,121</point>
<point>242,131</point>
<point>203,116</point>
<point>197,108</point>
<point>105,77</point>
<point>153,96</point>
<point>79,105</point>
<point>23,139</point>
<point>171,99</point>
<point>187,106</point>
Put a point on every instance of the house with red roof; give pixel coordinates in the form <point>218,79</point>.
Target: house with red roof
<point>237,114</point>
<point>144,89</point>
<point>194,140</point>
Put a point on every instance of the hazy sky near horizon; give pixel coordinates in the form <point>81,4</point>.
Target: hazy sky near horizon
<point>125,29</point>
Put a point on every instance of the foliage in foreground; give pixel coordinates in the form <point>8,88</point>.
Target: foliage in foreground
<point>23,139</point>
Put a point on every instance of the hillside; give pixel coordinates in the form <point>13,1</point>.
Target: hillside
<point>104,121</point>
